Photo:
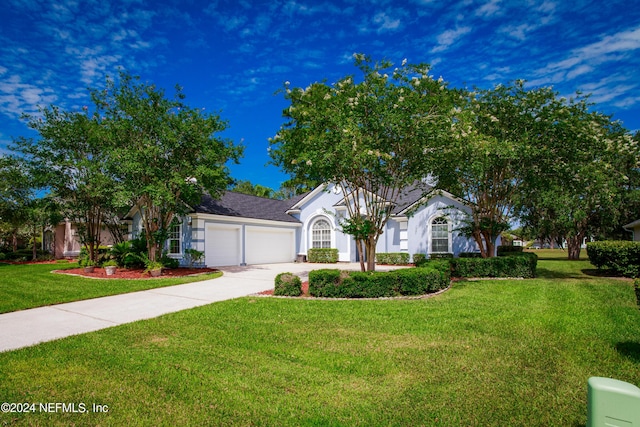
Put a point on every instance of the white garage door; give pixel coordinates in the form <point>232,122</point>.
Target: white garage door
<point>222,246</point>
<point>267,245</point>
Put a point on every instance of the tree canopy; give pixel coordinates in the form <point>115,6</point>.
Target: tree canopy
<point>372,137</point>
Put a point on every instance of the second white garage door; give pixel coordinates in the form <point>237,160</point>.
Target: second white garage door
<point>269,245</point>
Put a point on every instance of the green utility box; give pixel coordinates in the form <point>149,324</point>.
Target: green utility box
<point>612,403</point>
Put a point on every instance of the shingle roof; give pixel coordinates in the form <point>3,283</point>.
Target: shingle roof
<point>246,206</point>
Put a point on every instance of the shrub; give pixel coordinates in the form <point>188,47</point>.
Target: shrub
<point>393,258</point>
<point>322,255</point>
<point>2,256</point>
<point>419,259</point>
<point>27,255</point>
<point>441,256</point>
<point>515,265</point>
<point>375,284</point>
<point>636,286</point>
<point>288,284</point>
<point>470,255</point>
<point>103,253</point>
<point>169,262</point>
<point>509,249</point>
<point>130,254</point>
<point>193,256</point>
<point>623,257</point>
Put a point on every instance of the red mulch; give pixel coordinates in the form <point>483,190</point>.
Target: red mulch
<point>305,290</point>
<point>124,273</point>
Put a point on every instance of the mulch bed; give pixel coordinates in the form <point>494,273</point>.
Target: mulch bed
<point>124,273</point>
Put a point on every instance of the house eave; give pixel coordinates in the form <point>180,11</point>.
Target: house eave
<point>244,220</point>
<point>632,225</point>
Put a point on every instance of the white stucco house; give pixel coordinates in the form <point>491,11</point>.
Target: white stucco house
<point>634,227</point>
<point>240,229</point>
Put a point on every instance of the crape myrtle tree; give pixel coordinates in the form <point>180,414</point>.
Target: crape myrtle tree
<point>492,145</point>
<point>587,173</point>
<point>163,153</point>
<point>69,160</point>
<point>372,137</point>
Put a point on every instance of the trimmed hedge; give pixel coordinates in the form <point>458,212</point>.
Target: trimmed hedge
<point>623,257</point>
<point>288,284</point>
<point>393,258</point>
<point>470,255</point>
<point>509,250</point>
<point>322,255</point>
<point>419,259</point>
<point>441,256</point>
<point>333,283</point>
<point>514,265</point>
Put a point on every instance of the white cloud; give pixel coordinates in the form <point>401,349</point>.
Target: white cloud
<point>386,22</point>
<point>449,37</point>
<point>489,9</point>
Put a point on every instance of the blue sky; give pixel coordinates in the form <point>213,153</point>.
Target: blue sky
<point>232,56</point>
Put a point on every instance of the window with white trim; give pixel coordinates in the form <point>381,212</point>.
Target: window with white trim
<point>321,234</point>
<point>439,235</point>
<point>174,239</point>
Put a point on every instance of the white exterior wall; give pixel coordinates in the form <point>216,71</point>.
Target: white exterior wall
<point>419,226</point>
<point>321,205</point>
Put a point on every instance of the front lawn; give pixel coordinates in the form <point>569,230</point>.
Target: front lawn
<point>33,285</point>
<point>486,353</point>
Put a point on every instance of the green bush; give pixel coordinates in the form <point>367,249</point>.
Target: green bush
<point>288,284</point>
<point>636,286</point>
<point>2,256</point>
<point>509,249</point>
<point>27,255</point>
<point>514,265</point>
<point>322,255</point>
<point>441,256</point>
<point>130,254</point>
<point>419,259</point>
<point>333,283</point>
<point>623,257</point>
<point>102,255</point>
<point>470,255</point>
<point>393,258</point>
<point>169,262</point>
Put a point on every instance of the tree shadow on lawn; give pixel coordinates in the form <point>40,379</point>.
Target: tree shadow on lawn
<point>585,273</point>
<point>630,350</point>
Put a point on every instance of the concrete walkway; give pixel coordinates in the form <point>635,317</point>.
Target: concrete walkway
<point>29,327</point>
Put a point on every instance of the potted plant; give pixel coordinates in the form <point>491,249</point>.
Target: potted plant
<point>154,268</point>
<point>89,266</point>
<point>110,267</point>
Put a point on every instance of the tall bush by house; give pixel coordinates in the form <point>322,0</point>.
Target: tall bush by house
<point>622,257</point>
<point>322,255</point>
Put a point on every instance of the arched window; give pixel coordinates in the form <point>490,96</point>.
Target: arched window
<point>439,235</point>
<point>321,234</point>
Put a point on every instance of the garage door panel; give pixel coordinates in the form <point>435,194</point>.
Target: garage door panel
<point>269,245</point>
<point>222,246</point>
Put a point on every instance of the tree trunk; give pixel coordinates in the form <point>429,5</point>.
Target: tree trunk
<point>574,244</point>
<point>361,254</point>
<point>371,254</point>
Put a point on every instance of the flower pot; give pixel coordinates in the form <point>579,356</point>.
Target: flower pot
<point>110,269</point>
<point>156,273</point>
<point>89,269</point>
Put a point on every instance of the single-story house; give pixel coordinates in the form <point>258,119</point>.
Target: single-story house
<point>62,240</point>
<point>240,229</point>
<point>634,227</point>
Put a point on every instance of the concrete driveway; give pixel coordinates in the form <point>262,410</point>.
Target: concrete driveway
<point>29,327</point>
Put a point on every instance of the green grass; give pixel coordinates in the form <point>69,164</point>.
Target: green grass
<point>487,353</point>
<point>25,286</point>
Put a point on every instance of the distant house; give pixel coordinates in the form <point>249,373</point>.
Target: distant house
<point>63,241</point>
<point>634,227</point>
<point>240,229</point>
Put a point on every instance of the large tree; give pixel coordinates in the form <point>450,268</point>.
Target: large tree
<point>587,174</point>
<point>163,153</point>
<point>492,142</point>
<point>16,192</point>
<point>372,137</point>
<point>70,161</point>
